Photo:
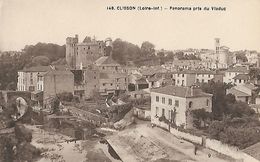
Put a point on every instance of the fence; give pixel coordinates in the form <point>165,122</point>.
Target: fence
<point>231,151</point>
<point>212,144</point>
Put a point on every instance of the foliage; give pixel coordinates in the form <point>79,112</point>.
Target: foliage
<point>240,132</point>
<point>124,51</point>
<point>51,51</point>
<point>65,96</point>
<point>241,56</point>
<point>219,100</point>
<point>117,112</point>
<point>147,49</point>
<point>55,105</point>
<point>39,54</point>
<point>40,60</point>
<point>163,118</point>
<point>254,73</point>
<point>200,116</point>
<point>9,65</point>
<point>239,109</point>
<point>181,56</point>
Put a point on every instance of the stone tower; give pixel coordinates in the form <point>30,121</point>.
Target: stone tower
<point>221,53</point>
<point>109,47</point>
<point>71,50</point>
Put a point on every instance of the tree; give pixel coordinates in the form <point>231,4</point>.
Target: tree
<point>239,109</point>
<point>200,116</point>
<point>65,96</point>
<point>254,73</point>
<point>241,56</point>
<point>41,60</point>
<point>124,52</point>
<point>147,49</point>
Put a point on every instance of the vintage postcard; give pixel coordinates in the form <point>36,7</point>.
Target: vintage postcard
<point>129,81</point>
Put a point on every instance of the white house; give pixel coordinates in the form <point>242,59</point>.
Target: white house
<point>175,104</point>
<point>234,71</point>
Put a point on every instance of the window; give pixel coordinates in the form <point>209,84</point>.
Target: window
<point>190,104</point>
<point>170,101</point>
<point>239,80</point>
<point>163,100</point>
<point>202,80</point>
<point>209,75</point>
<point>177,103</point>
<point>202,75</point>
<point>163,112</point>
<point>182,82</point>
<point>104,84</point>
<point>207,102</point>
<point>88,47</point>
<point>156,110</point>
<point>94,77</point>
<point>103,67</point>
<point>111,84</point>
<point>178,82</point>
<point>157,98</point>
<point>182,75</point>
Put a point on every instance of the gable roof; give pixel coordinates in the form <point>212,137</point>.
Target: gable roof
<point>184,92</point>
<point>242,76</point>
<point>59,72</point>
<point>195,72</point>
<point>237,93</point>
<point>37,69</point>
<point>141,81</point>
<point>241,69</point>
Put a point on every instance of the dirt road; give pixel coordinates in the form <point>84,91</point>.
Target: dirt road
<point>142,143</point>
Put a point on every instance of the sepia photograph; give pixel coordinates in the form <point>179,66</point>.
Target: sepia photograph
<point>129,81</point>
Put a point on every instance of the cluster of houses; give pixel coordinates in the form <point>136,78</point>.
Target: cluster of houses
<point>174,91</point>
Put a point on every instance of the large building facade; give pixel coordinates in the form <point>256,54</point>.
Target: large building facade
<point>219,58</point>
<point>31,79</point>
<point>81,55</point>
<point>176,103</point>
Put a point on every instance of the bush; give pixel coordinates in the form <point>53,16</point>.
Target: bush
<point>65,96</point>
<point>240,132</point>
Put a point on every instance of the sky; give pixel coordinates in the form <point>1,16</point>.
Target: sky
<point>27,22</point>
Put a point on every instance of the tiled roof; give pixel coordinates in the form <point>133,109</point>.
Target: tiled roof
<point>37,69</point>
<point>237,93</point>
<point>59,72</point>
<point>250,86</point>
<point>184,92</point>
<point>141,81</point>
<point>153,70</point>
<point>153,79</point>
<point>238,69</point>
<point>196,72</point>
<point>242,76</point>
<point>106,60</point>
